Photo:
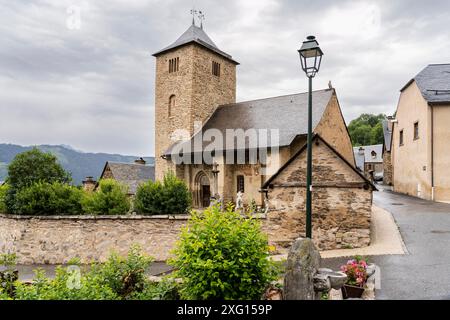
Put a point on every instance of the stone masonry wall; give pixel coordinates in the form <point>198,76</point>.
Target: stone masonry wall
<point>341,200</point>
<point>56,239</point>
<point>197,94</point>
<point>387,168</point>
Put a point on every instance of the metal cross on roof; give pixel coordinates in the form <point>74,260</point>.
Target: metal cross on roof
<point>200,16</point>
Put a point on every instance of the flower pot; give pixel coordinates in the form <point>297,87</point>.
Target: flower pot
<point>349,291</point>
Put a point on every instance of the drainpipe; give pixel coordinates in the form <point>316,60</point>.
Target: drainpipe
<point>432,153</point>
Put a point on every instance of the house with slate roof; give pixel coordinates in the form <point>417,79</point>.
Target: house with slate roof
<point>369,159</point>
<point>130,175</point>
<point>198,132</point>
<point>420,147</point>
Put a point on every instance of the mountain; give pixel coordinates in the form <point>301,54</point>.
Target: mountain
<point>80,164</point>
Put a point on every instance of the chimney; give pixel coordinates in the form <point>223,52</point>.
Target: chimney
<point>361,151</point>
<point>140,161</point>
<point>89,184</point>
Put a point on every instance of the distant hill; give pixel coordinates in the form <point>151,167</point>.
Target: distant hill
<point>80,164</point>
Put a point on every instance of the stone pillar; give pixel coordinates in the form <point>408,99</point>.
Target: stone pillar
<point>301,266</point>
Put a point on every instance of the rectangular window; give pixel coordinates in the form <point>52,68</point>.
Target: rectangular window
<point>401,137</point>
<point>240,184</point>
<point>216,69</point>
<point>416,130</point>
<point>174,64</point>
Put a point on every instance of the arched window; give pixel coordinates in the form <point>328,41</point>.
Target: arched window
<point>171,104</point>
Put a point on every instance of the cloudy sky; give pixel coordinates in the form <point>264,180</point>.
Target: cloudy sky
<point>89,82</point>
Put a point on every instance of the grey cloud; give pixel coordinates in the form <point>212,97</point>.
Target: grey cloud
<point>93,88</point>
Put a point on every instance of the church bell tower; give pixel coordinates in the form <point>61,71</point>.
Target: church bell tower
<point>193,77</point>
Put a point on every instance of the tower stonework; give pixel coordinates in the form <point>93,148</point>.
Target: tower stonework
<point>193,77</point>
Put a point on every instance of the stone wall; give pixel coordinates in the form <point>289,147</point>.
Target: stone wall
<point>341,202</point>
<point>56,239</point>
<point>197,94</point>
<point>387,168</point>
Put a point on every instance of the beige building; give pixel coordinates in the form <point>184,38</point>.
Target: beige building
<point>219,146</point>
<point>420,147</point>
<point>387,158</point>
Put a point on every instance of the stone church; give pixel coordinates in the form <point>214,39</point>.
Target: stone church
<point>195,105</point>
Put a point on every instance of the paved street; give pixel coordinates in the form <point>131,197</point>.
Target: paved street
<point>423,273</point>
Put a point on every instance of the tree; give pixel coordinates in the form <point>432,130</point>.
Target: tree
<point>3,192</point>
<point>31,167</point>
<point>367,129</point>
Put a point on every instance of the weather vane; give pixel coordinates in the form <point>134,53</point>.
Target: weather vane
<point>193,13</point>
<point>200,16</point>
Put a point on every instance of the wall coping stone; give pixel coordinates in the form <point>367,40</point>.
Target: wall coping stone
<point>96,217</point>
<point>108,217</point>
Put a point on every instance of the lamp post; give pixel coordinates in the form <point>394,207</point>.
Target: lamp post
<point>310,57</point>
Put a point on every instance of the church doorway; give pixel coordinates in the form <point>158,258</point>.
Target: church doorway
<point>203,190</point>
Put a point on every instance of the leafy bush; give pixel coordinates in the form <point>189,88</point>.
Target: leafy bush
<point>43,198</point>
<point>170,197</point>
<point>110,198</point>
<point>3,192</point>
<point>8,276</point>
<point>87,287</point>
<point>118,278</point>
<point>223,255</point>
<point>124,276</point>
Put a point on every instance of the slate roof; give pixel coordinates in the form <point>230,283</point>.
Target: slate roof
<point>434,83</point>
<point>387,133</point>
<point>368,158</point>
<point>287,113</point>
<point>196,35</point>
<point>131,174</point>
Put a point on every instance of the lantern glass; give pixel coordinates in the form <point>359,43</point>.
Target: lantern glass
<point>310,56</point>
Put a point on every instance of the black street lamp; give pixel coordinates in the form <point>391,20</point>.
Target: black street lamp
<point>310,57</point>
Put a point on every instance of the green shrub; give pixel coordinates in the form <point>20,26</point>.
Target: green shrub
<point>124,276</point>
<point>149,198</point>
<point>170,197</point>
<point>110,198</point>
<point>3,192</point>
<point>167,289</point>
<point>222,255</point>
<point>116,279</point>
<point>86,287</point>
<point>43,198</point>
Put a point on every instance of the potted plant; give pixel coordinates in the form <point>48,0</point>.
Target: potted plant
<point>356,271</point>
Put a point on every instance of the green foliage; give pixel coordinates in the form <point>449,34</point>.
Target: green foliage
<point>3,192</point>
<point>170,197</point>
<point>8,260</point>
<point>366,129</point>
<point>29,168</point>
<point>118,279</point>
<point>223,255</point>
<point>110,198</point>
<point>124,276</point>
<point>34,166</point>
<point>43,198</point>
<point>68,284</point>
<point>167,289</point>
